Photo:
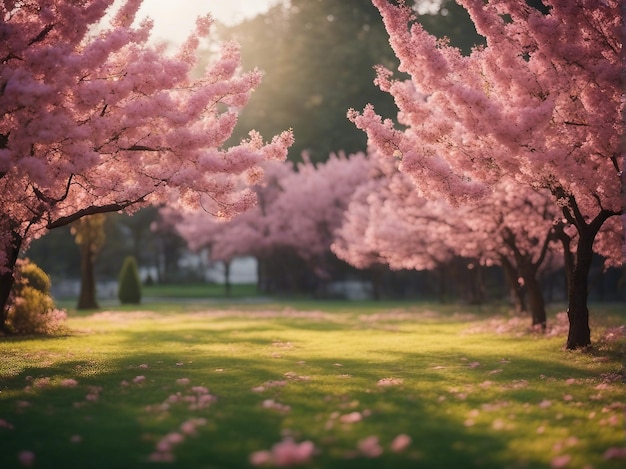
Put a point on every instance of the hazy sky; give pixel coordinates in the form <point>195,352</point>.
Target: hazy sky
<point>173,20</point>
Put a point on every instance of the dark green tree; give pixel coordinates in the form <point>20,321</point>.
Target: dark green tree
<point>318,58</point>
<point>129,287</point>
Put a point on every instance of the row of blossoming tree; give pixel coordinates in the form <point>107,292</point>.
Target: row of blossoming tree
<point>96,119</point>
<point>510,155</point>
<point>541,104</point>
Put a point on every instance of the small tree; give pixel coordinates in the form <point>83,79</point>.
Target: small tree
<point>129,288</point>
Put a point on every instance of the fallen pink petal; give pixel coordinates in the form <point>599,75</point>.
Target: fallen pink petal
<point>352,417</point>
<point>26,458</point>
<point>69,383</point>
<point>615,453</point>
<point>400,443</point>
<point>370,447</point>
<point>561,461</point>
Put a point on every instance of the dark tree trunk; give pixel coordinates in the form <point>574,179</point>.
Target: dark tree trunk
<point>535,301</point>
<point>441,283</point>
<point>528,271</point>
<point>376,272</point>
<point>568,257</point>
<point>518,292</point>
<point>87,297</point>
<point>7,278</point>
<point>227,277</point>
<point>579,335</point>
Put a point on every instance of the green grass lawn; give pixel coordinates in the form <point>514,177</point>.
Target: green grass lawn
<point>189,385</point>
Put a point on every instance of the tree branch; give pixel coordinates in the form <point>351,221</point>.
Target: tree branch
<point>115,207</point>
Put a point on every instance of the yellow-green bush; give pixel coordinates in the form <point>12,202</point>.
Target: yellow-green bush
<point>32,309</point>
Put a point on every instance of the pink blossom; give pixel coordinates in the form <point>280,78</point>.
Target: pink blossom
<point>271,404</point>
<point>390,382</point>
<point>5,424</point>
<point>42,382</point>
<point>161,456</point>
<point>174,438</point>
<point>615,453</point>
<point>189,426</point>
<point>561,461</point>
<point>183,381</point>
<point>259,458</point>
<point>199,390</point>
<point>164,446</point>
<point>69,383</point>
<point>370,447</point>
<point>144,365</point>
<point>168,124</point>
<point>26,458</point>
<point>284,453</point>
<point>352,417</point>
<point>139,379</point>
<point>288,452</point>
<point>400,443</point>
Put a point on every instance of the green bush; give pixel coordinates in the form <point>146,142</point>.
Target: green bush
<point>32,309</point>
<point>36,277</point>
<point>129,287</point>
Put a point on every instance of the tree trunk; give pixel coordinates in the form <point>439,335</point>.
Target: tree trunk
<point>441,283</point>
<point>518,293</point>
<point>535,301</point>
<point>227,277</point>
<point>568,257</point>
<point>579,335</point>
<point>376,272</point>
<point>87,297</point>
<point>528,271</point>
<point>7,278</point>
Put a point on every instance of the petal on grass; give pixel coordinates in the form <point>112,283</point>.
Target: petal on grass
<point>26,458</point>
<point>615,453</point>
<point>561,461</point>
<point>400,443</point>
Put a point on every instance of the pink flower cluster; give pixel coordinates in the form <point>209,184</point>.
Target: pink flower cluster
<point>284,453</point>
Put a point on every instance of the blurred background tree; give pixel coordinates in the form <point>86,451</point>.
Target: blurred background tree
<point>90,237</point>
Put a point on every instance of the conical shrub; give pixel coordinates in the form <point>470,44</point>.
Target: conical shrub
<point>129,287</point>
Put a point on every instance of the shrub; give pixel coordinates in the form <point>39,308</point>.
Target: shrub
<point>35,277</point>
<point>129,288</point>
<point>32,309</point>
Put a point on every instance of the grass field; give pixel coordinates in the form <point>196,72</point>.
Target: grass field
<point>393,385</point>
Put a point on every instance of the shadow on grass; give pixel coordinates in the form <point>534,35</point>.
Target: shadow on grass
<point>121,427</point>
<point>122,424</point>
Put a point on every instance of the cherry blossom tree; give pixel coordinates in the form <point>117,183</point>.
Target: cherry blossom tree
<point>388,222</point>
<point>247,234</point>
<point>515,228</point>
<point>311,205</point>
<point>541,103</point>
<point>299,209</point>
<point>95,119</point>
